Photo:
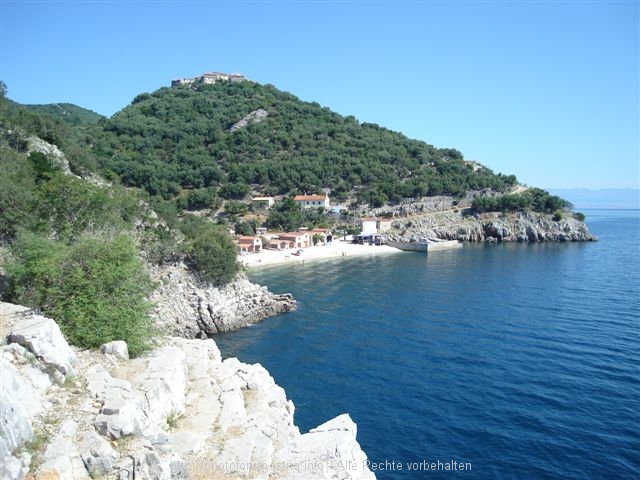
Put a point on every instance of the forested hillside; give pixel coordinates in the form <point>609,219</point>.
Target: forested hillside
<point>181,138</point>
<point>77,248</point>
<point>68,112</point>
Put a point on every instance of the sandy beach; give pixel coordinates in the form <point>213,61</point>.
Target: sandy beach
<point>336,250</point>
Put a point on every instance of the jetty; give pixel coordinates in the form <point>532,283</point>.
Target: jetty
<point>426,245</point>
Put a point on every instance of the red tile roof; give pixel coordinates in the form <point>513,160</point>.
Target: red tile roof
<point>247,240</point>
<point>309,198</point>
<point>290,235</point>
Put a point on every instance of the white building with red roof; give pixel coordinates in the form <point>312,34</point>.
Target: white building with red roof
<point>249,244</point>
<point>312,201</point>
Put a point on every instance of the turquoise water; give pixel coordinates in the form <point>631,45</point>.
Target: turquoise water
<point>520,361</point>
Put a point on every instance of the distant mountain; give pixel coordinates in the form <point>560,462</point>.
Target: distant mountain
<point>68,112</point>
<point>624,198</point>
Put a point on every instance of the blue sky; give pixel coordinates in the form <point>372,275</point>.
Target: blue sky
<point>548,91</point>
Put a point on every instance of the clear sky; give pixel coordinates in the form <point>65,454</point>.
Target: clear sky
<point>545,90</point>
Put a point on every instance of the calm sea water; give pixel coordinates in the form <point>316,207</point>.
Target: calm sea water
<point>521,360</point>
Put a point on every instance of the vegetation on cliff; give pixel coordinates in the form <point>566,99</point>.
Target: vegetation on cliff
<point>534,199</point>
<point>74,246</point>
<point>96,288</point>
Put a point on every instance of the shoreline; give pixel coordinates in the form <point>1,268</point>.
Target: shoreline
<point>336,250</point>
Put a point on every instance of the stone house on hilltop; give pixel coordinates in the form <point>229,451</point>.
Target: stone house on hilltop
<point>209,78</point>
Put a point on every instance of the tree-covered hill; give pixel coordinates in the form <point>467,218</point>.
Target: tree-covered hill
<point>181,138</point>
<point>79,248</point>
<point>67,112</point>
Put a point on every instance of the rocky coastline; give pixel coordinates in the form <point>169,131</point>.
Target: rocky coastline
<point>492,227</point>
<point>178,412</point>
<point>189,308</point>
<point>451,218</point>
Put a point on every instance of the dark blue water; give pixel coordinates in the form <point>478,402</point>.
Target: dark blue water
<point>522,360</point>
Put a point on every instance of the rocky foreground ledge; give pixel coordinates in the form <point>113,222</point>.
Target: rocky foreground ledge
<point>178,412</point>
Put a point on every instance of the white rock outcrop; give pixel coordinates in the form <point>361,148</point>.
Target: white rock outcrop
<point>42,337</point>
<point>118,348</point>
<point>180,411</point>
<point>189,308</point>
<point>253,117</point>
<point>36,144</point>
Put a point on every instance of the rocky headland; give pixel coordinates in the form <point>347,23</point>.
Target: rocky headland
<point>190,308</point>
<point>448,218</point>
<point>492,227</point>
<point>179,411</point>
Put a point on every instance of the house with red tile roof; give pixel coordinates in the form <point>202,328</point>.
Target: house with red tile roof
<point>312,201</point>
<point>249,244</point>
<point>294,240</point>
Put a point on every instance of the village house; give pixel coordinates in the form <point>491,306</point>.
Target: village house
<point>249,244</point>
<point>209,78</point>
<point>276,244</point>
<point>324,233</point>
<point>294,240</point>
<point>262,203</point>
<point>369,225</point>
<point>261,231</point>
<point>312,201</point>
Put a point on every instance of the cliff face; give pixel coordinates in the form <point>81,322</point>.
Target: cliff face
<point>178,412</point>
<point>189,308</point>
<point>490,227</point>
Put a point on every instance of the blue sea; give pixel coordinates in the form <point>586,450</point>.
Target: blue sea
<point>512,360</point>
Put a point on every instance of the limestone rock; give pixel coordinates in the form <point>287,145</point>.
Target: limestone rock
<point>327,451</point>
<point>36,144</point>
<point>62,458</point>
<point>97,454</point>
<point>252,117</point>
<point>163,383</point>
<point>123,410</point>
<point>117,348</point>
<point>43,338</point>
<point>190,308</point>
<point>19,404</point>
<point>488,227</point>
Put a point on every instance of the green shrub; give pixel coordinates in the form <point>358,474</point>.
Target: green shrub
<point>209,250</point>
<point>18,194</point>
<point>96,290</point>
<point>579,216</point>
<point>557,216</point>
<point>232,207</point>
<point>201,198</point>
